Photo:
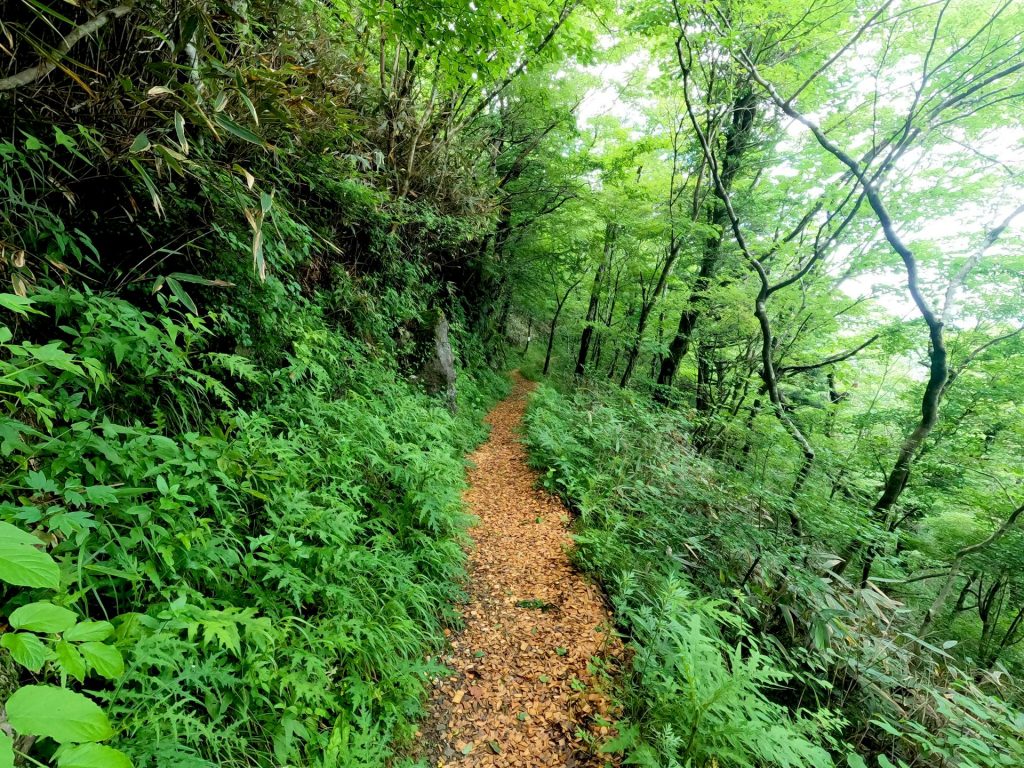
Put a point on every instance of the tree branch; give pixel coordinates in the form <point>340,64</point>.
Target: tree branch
<point>79,33</point>
<point>787,369</point>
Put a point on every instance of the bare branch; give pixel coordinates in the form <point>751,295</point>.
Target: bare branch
<point>787,369</point>
<point>79,33</point>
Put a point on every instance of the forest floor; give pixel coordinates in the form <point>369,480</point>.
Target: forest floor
<point>522,690</point>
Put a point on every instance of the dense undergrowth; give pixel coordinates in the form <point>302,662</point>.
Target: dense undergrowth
<point>747,651</point>
<point>231,525</point>
<point>272,573</point>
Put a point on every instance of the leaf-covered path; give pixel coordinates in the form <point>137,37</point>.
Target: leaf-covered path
<point>520,693</point>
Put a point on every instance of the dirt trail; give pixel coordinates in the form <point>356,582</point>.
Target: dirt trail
<point>520,694</point>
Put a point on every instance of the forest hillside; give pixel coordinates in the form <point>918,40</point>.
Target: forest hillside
<point>265,266</point>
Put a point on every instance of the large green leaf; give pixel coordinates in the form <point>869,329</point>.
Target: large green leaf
<point>89,630</point>
<point>92,756</point>
<point>43,617</point>
<point>62,715</point>
<point>14,534</point>
<point>70,660</point>
<point>237,130</point>
<point>105,659</point>
<point>22,564</point>
<point>6,751</point>
<point>27,649</point>
<point>18,304</point>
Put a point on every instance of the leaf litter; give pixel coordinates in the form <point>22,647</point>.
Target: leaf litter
<point>521,691</point>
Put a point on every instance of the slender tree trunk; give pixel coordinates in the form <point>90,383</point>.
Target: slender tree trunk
<point>551,340</point>
<point>595,296</point>
<point>680,343</point>
<point>559,303</point>
<point>702,400</point>
<point>744,111</point>
<point>615,363</point>
<point>954,570</point>
<point>834,398</point>
<point>609,315</point>
<point>645,312</point>
<point>964,592</point>
<point>896,481</point>
<point>1009,637</point>
<point>989,611</point>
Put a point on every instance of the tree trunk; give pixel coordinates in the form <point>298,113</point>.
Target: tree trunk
<point>559,303</point>
<point>595,296</point>
<point>702,401</point>
<point>614,365</point>
<point>954,569</point>
<point>438,370</point>
<point>744,111</point>
<point>645,312</point>
<point>551,339</point>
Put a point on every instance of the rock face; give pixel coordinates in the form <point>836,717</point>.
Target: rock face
<point>438,371</point>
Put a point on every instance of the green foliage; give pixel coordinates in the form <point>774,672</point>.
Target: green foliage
<point>226,512</point>
<point>777,662</point>
<point>697,699</point>
<point>698,688</point>
<point>272,576</point>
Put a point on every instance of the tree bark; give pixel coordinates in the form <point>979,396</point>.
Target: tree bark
<point>744,112</point>
<point>79,33</point>
<point>559,303</point>
<point>595,298</point>
<point>551,340</point>
<point>645,313</point>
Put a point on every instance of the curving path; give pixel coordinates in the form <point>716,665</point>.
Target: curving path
<point>520,693</point>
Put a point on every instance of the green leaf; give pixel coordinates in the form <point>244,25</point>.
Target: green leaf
<point>10,532</point>
<point>887,727</point>
<point>182,295</point>
<point>252,108</point>
<point>627,739</point>
<point>43,617</point>
<point>266,202</point>
<point>179,129</point>
<point>92,756</point>
<point>60,714</point>
<point>105,659</point>
<point>20,305</point>
<point>22,564</point>
<point>141,143</point>
<point>185,277</point>
<point>819,634</point>
<point>52,355</point>
<point>70,660</point>
<point>147,182</point>
<point>26,649</point>
<point>238,131</point>
<point>853,760</point>
<point>6,751</point>
<point>89,630</point>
